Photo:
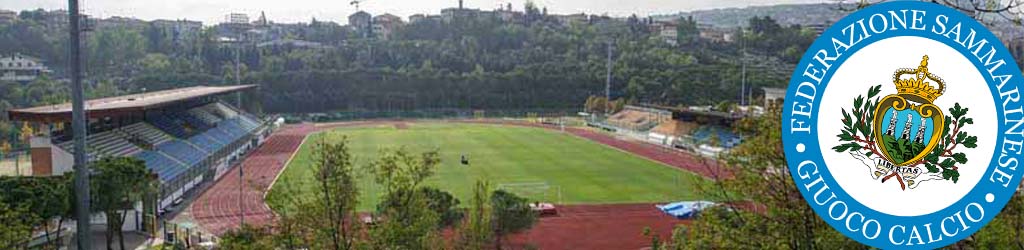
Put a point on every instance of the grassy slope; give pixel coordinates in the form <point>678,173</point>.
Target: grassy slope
<point>586,172</point>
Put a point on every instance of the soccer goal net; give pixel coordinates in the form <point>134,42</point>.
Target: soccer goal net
<point>535,191</point>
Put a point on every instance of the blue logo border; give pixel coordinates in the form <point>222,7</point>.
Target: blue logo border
<point>794,158</point>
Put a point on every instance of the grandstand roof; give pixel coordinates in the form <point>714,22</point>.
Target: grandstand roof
<point>120,105</point>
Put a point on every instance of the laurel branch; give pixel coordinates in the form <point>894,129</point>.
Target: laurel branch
<point>857,134</point>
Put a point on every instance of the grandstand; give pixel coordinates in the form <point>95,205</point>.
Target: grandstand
<point>696,129</point>
<point>185,135</point>
<point>637,118</point>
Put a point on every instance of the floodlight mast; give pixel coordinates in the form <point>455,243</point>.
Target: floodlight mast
<point>82,215</point>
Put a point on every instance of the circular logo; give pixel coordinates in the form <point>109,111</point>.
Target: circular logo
<point>917,109</point>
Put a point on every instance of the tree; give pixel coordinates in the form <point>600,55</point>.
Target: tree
<point>510,214</point>
<point>1003,232</point>
<point>442,203</point>
<point>475,232</point>
<point>47,199</point>
<point>15,226</point>
<point>247,238</point>
<point>340,194</point>
<point>406,219</point>
<point>759,177</point>
<point>154,63</point>
<point>686,30</point>
<point>118,184</point>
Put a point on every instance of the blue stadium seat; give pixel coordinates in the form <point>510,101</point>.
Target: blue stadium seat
<point>166,168</point>
<point>205,142</point>
<point>183,152</point>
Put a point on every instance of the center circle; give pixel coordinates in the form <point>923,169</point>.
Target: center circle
<point>964,85</point>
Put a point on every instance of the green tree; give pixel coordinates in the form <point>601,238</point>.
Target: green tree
<point>1003,232</point>
<point>154,63</point>
<point>15,226</point>
<point>406,220</point>
<point>340,193</point>
<point>476,231</point>
<point>247,237</point>
<point>510,214</point>
<point>118,183</point>
<point>442,203</point>
<point>759,177</point>
<point>46,199</point>
<point>687,31</point>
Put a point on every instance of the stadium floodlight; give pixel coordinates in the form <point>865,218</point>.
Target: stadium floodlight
<point>82,215</point>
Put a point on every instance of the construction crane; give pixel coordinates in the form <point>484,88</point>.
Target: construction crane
<point>356,3</point>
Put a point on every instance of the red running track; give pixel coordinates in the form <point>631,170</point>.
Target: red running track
<point>617,226</point>
<point>217,209</point>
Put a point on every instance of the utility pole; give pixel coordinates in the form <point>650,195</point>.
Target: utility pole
<point>82,215</point>
<point>238,73</point>
<point>743,74</point>
<point>241,194</point>
<point>608,80</point>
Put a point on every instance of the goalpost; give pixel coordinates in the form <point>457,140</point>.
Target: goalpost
<point>479,114</point>
<point>534,191</point>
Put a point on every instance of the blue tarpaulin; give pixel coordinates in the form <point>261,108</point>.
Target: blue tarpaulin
<point>685,209</point>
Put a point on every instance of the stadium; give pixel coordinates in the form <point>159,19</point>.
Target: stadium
<point>604,175</point>
<point>185,136</point>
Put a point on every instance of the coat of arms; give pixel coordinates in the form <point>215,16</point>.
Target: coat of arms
<point>905,136</point>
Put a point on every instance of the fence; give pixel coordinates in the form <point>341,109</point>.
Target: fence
<point>426,114</point>
<point>16,163</point>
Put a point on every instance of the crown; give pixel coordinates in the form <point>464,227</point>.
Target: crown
<point>918,88</point>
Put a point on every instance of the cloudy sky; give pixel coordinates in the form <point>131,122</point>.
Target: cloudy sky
<point>213,11</point>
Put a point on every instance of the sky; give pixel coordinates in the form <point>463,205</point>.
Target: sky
<point>291,11</point>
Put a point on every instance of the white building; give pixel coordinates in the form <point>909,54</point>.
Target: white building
<point>773,96</point>
<point>7,16</point>
<point>384,25</point>
<point>21,68</point>
<point>237,18</point>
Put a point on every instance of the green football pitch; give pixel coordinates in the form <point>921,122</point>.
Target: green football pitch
<point>541,164</point>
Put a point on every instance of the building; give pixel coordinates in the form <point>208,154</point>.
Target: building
<point>185,136</point>
<point>384,25</point>
<point>568,20</point>
<point>417,18</point>
<point>20,68</point>
<point>361,22</point>
<point>290,43</point>
<point>7,16</point>
<point>237,18</point>
<point>818,28</point>
<point>773,96</point>
<point>714,34</point>
<point>667,31</point>
<point>507,14</point>
<point>116,22</point>
<point>451,14</point>
<point>179,30</point>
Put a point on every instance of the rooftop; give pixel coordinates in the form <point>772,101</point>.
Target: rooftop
<point>118,105</point>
